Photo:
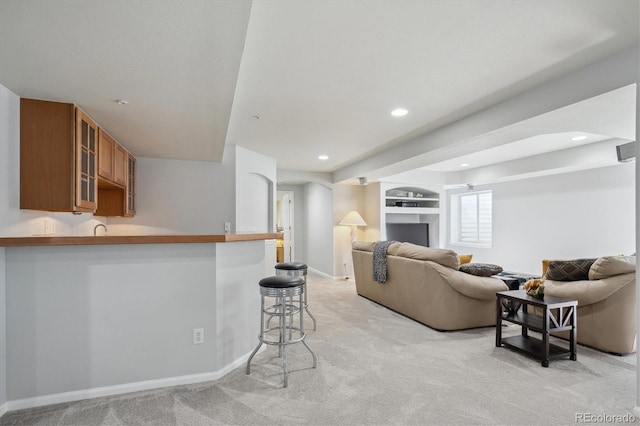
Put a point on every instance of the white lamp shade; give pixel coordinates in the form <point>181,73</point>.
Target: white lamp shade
<point>353,218</point>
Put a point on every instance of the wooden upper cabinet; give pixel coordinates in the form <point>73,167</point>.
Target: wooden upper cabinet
<point>58,157</point>
<point>117,199</point>
<point>69,164</point>
<point>112,162</point>
<point>106,147</point>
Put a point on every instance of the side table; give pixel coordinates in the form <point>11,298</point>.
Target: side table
<point>557,315</point>
<point>514,280</point>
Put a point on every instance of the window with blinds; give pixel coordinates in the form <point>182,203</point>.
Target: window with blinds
<point>471,218</point>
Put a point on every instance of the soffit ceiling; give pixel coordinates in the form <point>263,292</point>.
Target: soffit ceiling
<point>322,76</point>
<point>175,62</point>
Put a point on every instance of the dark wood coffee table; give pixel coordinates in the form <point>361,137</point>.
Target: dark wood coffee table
<point>557,315</point>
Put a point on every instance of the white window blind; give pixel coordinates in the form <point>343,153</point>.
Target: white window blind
<point>473,211</point>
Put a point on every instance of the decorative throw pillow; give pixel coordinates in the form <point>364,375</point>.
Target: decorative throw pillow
<point>480,269</point>
<point>465,258</point>
<point>569,270</point>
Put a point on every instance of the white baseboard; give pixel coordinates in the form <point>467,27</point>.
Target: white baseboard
<point>315,271</point>
<point>78,395</point>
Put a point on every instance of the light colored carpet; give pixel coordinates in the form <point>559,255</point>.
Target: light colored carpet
<point>375,367</point>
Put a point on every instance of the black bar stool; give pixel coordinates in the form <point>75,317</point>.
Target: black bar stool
<point>297,269</point>
<point>282,288</point>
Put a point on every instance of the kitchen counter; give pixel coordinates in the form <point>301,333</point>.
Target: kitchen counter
<point>132,239</point>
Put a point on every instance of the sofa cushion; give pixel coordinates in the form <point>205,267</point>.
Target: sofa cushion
<point>480,269</point>
<point>609,266</point>
<point>465,258</point>
<point>363,245</point>
<point>369,245</point>
<point>569,270</point>
<point>444,257</point>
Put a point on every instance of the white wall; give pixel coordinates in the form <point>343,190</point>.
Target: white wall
<point>123,316</point>
<point>319,227</point>
<point>180,197</point>
<point>3,333</point>
<point>255,191</point>
<point>583,214</point>
<point>9,134</point>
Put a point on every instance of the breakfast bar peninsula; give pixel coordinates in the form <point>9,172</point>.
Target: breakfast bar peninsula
<point>93,316</point>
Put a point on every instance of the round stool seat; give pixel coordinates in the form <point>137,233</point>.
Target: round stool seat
<point>281,281</point>
<point>292,266</point>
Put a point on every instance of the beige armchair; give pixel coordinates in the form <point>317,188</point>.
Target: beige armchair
<point>606,304</point>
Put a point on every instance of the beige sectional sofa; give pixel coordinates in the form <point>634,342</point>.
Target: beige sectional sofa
<point>425,284</point>
<point>606,304</point>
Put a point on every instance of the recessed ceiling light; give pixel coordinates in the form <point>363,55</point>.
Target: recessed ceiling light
<point>122,102</point>
<point>399,112</point>
<point>579,138</point>
<point>323,157</point>
<point>464,165</point>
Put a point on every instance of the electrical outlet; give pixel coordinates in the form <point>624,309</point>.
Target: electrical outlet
<point>227,227</point>
<point>198,336</point>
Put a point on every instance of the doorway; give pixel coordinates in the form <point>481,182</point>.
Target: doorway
<point>284,224</point>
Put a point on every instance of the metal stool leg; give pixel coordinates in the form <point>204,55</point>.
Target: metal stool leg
<point>306,306</point>
<point>281,319</point>
<point>302,329</point>
<point>283,346</point>
<point>260,336</point>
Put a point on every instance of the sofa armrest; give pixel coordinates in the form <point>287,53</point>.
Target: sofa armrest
<point>588,292</point>
<point>483,288</point>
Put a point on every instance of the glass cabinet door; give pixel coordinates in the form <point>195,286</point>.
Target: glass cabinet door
<point>130,202</point>
<point>86,162</point>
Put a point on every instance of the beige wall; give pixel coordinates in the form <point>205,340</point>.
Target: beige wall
<point>346,198</point>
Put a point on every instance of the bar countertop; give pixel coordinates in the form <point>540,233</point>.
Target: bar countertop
<point>131,239</point>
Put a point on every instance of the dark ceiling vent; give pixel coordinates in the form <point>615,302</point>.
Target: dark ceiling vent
<point>626,152</point>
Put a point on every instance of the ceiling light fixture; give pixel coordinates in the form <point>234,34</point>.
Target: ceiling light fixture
<point>122,102</point>
<point>399,112</point>
<point>464,165</point>
<point>579,138</point>
<point>323,157</point>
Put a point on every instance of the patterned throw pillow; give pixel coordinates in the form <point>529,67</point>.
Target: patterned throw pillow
<point>480,269</point>
<point>569,270</point>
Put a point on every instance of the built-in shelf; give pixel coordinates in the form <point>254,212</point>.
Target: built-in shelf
<point>411,210</point>
<point>410,213</point>
<point>411,198</point>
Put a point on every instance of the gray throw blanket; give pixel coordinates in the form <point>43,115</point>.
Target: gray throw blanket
<point>380,260</point>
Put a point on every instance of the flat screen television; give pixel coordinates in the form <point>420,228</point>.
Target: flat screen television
<point>416,233</point>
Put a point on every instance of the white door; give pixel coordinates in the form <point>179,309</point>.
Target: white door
<point>285,222</point>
